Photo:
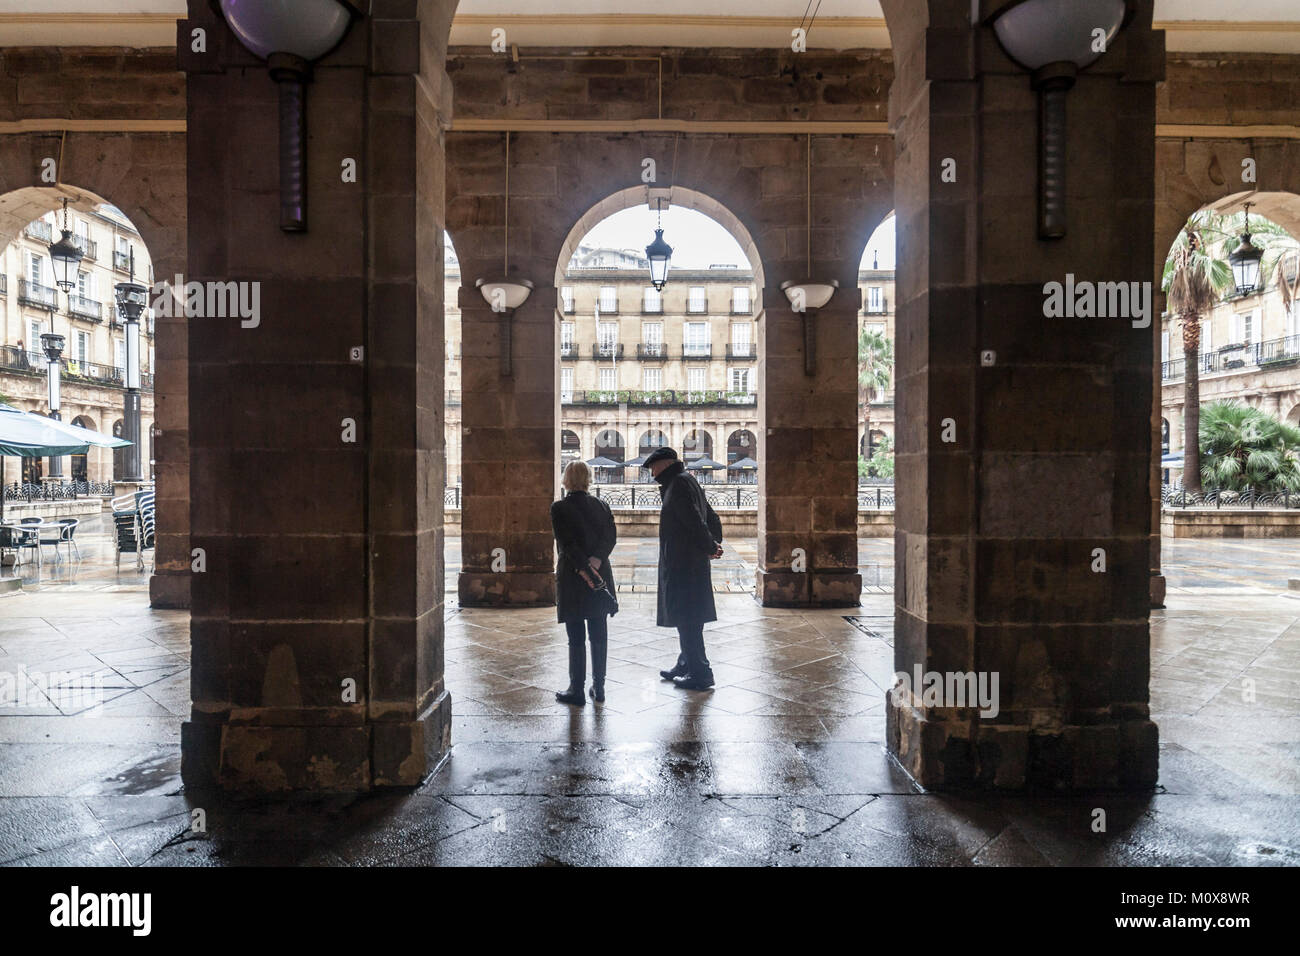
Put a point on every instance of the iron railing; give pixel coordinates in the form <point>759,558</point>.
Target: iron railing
<point>56,491</point>
<point>651,351</point>
<point>670,397</point>
<point>35,363</point>
<point>89,247</point>
<point>607,350</point>
<point>121,260</point>
<point>568,351</point>
<point>35,294</point>
<point>1273,353</point>
<point>86,308</point>
<point>697,352</point>
<point>741,352</point>
<point>40,229</point>
<point>1177,497</point>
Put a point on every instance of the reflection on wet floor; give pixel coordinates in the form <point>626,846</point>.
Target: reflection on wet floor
<point>782,763</point>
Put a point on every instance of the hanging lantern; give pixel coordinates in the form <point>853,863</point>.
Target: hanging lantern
<point>1245,260</point>
<point>66,256</point>
<point>659,253</point>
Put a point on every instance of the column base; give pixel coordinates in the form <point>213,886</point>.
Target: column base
<point>169,590</point>
<point>506,589</point>
<point>941,755</point>
<point>1158,585</point>
<point>251,758</point>
<point>808,588</point>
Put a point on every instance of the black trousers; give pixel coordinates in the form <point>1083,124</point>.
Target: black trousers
<point>597,630</point>
<point>691,638</point>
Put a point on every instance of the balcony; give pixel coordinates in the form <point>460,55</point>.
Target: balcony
<point>568,351</point>
<point>876,308</point>
<point>666,397</point>
<point>651,352</point>
<point>697,306</point>
<point>608,306</point>
<point>652,308</point>
<point>89,247</point>
<point>37,295</point>
<point>568,306</point>
<point>85,308</point>
<point>744,352</point>
<point>40,229</point>
<point>704,352</point>
<point>741,308</point>
<point>1273,354</point>
<point>121,260</point>
<point>90,373</point>
<point>607,350</point>
<point>453,397</point>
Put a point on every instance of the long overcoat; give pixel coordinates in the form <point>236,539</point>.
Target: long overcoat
<point>584,528</point>
<point>689,534</point>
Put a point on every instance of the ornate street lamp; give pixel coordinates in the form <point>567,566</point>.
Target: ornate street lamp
<point>659,252</point>
<point>1054,40</point>
<point>131,298</point>
<point>290,35</point>
<point>1245,260</point>
<point>52,346</point>
<point>66,255</point>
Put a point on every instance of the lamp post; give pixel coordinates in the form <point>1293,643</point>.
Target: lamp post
<point>290,35</point>
<point>1245,260</point>
<point>52,345</point>
<point>131,298</point>
<point>1054,40</point>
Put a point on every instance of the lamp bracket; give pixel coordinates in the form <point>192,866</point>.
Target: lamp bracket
<point>659,197</point>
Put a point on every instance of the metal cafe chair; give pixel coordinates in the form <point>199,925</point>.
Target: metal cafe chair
<point>68,534</point>
<point>20,538</point>
<point>51,534</point>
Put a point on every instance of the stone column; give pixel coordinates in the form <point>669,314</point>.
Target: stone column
<point>807,518</point>
<point>316,443</point>
<point>511,445</point>
<point>1017,475</point>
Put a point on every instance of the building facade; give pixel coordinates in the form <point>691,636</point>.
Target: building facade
<point>94,351</point>
<point>640,368</point>
<point>1249,353</point>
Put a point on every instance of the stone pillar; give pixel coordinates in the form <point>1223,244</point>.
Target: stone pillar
<point>1012,474</point>
<point>807,485</point>
<point>316,443</point>
<point>511,445</point>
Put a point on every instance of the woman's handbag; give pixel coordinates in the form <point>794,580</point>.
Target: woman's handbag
<point>603,600</point>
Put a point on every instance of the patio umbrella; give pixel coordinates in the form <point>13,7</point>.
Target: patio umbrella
<point>600,461</point>
<point>704,463</point>
<point>636,462</point>
<point>25,435</point>
<point>744,464</point>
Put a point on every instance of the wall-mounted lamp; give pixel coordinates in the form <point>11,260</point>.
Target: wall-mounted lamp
<point>506,294</point>
<point>1054,40</point>
<point>805,294</point>
<point>290,35</point>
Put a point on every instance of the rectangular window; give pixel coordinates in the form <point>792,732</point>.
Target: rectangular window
<point>83,284</point>
<point>652,379</point>
<point>82,350</point>
<point>654,301</point>
<point>119,354</point>
<point>740,300</point>
<point>697,379</point>
<point>34,268</point>
<point>738,380</point>
<point>607,379</point>
<point>875,299</point>
<point>1164,346</point>
<point>566,299</point>
<point>1248,328</point>
<point>697,338</point>
<point>741,346</point>
<point>566,335</point>
<point>82,229</point>
<point>607,338</point>
<point>652,333</point>
<point>697,301</point>
<point>122,245</point>
<point>566,385</point>
<point>608,298</point>
<point>34,343</point>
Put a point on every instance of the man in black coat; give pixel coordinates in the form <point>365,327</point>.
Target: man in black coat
<point>690,535</point>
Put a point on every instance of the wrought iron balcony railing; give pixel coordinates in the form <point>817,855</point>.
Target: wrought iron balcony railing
<point>669,397</point>
<point>40,229</point>
<point>37,295</point>
<point>741,308</point>
<point>568,351</point>
<point>741,352</point>
<point>697,351</point>
<point>651,352</point>
<point>1274,353</point>
<point>86,308</point>
<point>89,247</point>
<point>92,373</point>
<point>607,350</point>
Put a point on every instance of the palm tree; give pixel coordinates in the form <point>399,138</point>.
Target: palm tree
<point>875,369</point>
<point>1196,276</point>
<point>1245,449</point>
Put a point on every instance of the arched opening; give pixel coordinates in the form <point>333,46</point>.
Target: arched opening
<point>78,466</point>
<point>570,446</point>
<point>742,457</point>
<point>1226,338</point>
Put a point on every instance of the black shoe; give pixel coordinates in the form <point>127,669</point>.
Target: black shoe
<point>598,693</point>
<point>690,683</point>
<point>573,697</point>
<point>678,670</point>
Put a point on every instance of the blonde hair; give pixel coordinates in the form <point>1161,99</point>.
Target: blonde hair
<point>577,476</point>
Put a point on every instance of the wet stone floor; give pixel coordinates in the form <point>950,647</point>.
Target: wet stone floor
<point>781,764</point>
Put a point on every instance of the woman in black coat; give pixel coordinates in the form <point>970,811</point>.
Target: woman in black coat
<point>585,537</point>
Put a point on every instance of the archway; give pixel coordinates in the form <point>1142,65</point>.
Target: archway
<point>78,465</point>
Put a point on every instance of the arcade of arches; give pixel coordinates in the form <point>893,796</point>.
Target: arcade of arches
<point>996,521</point>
